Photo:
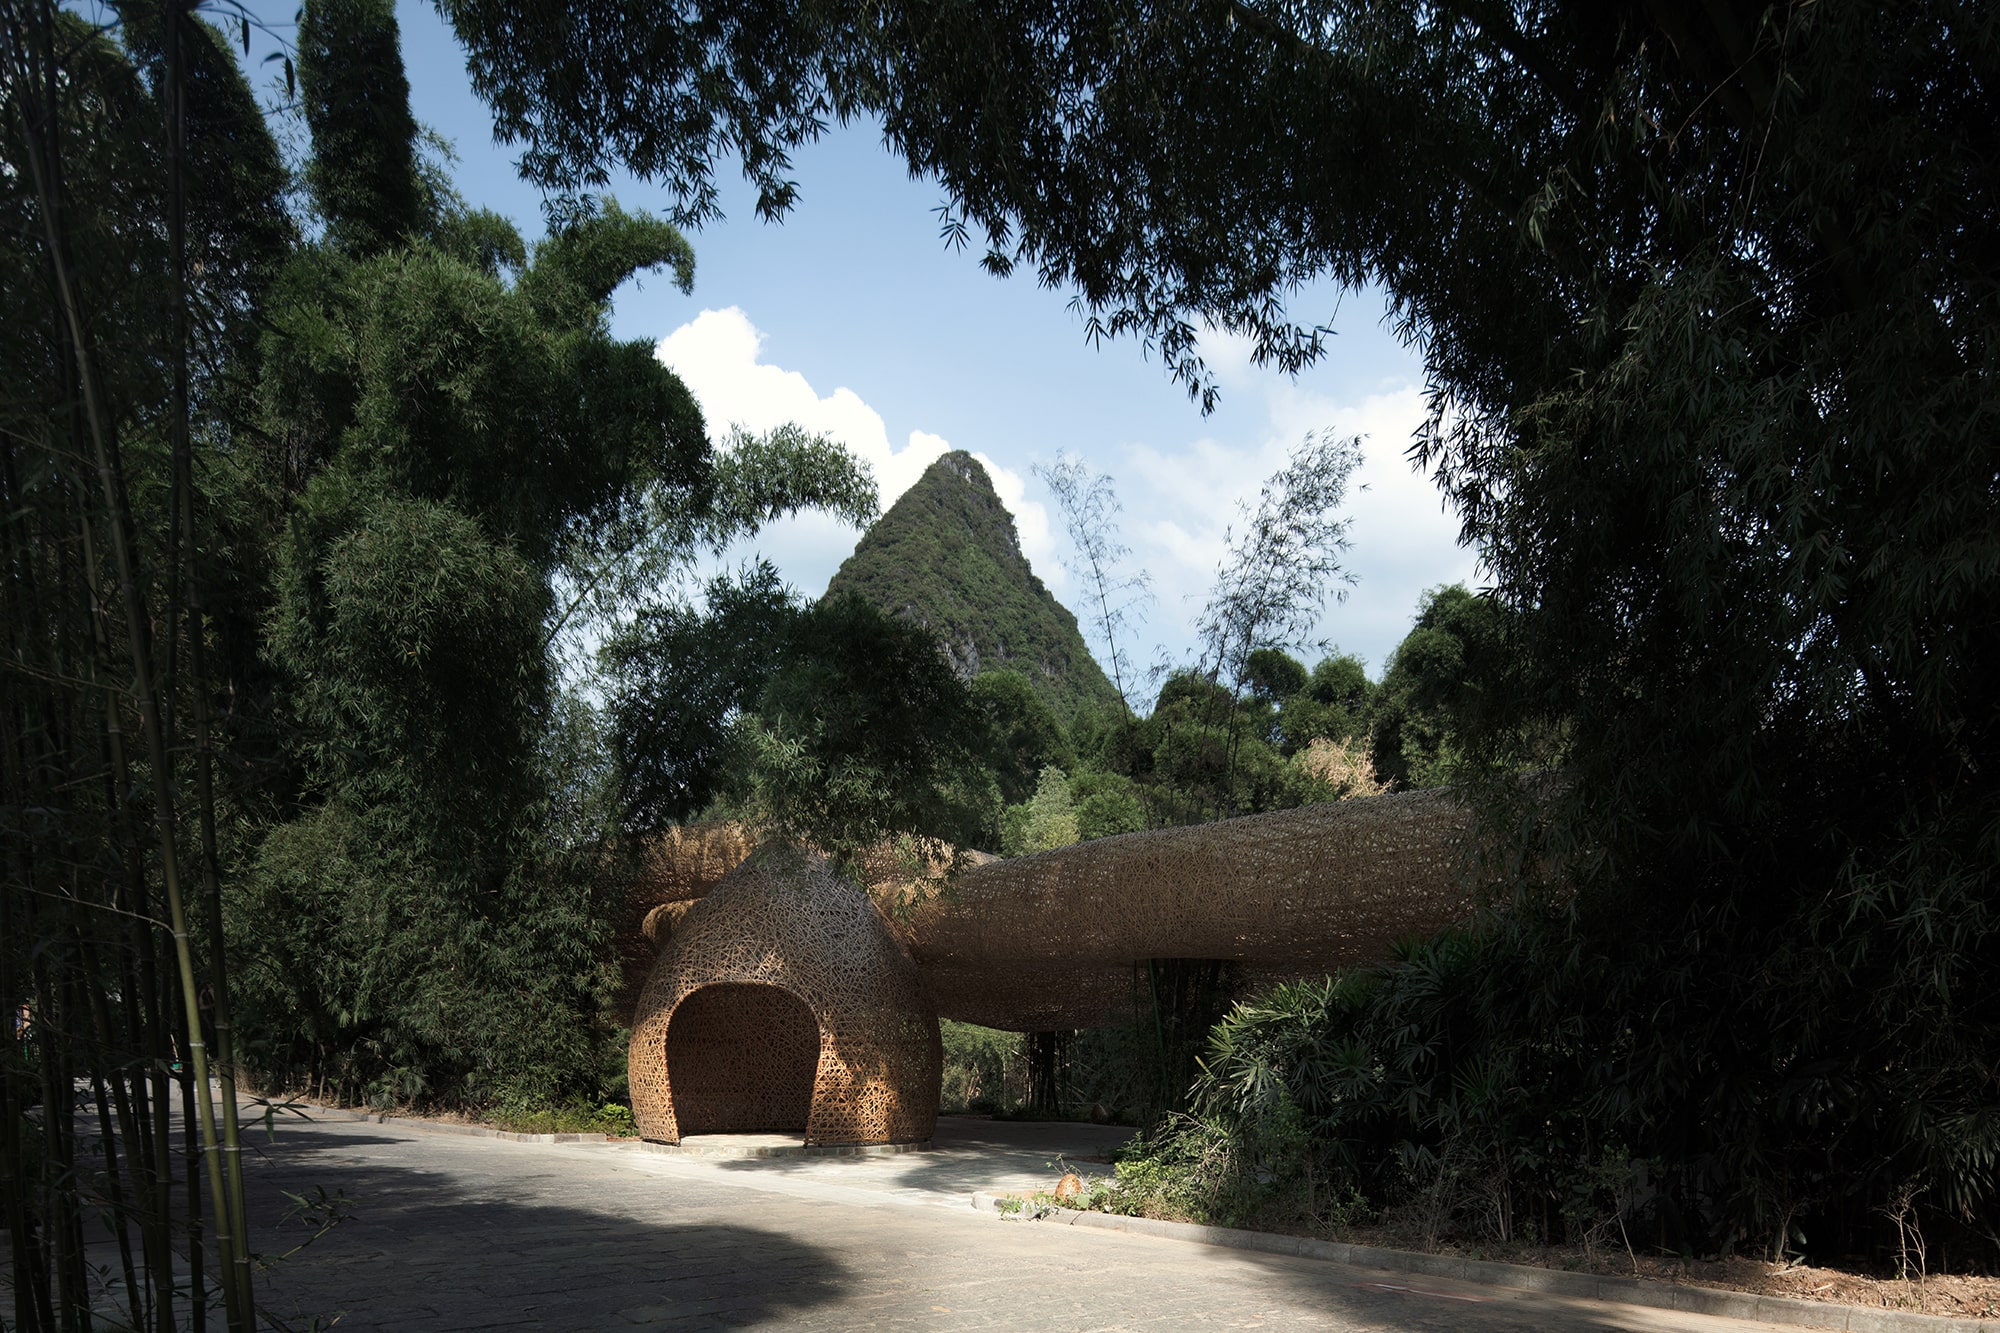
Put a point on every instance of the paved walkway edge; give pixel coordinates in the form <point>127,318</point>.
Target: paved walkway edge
<point>429,1126</point>
<point>785,1150</point>
<point>643,1145</point>
<point>1519,1277</point>
<point>1589,1286</point>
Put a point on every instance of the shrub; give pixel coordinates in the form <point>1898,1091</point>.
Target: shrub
<point>983,1068</point>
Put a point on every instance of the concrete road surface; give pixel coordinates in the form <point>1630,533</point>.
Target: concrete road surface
<point>450,1232</point>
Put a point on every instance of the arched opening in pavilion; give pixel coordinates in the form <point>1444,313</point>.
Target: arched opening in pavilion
<point>742,1059</point>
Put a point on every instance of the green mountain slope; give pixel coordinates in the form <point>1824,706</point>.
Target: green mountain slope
<point>946,555</point>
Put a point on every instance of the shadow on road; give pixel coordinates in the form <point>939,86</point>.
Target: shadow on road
<point>428,1250</point>
<point>453,1234</point>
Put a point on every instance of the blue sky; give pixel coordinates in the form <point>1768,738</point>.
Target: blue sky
<point>854,318</point>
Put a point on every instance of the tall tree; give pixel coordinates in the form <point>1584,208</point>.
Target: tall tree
<point>469,457</point>
<point>356,98</point>
<point>1089,505</point>
<point>1026,738</point>
<point>1278,569</point>
<point>1281,563</point>
<point>832,725</point>
<point>1445,702</point>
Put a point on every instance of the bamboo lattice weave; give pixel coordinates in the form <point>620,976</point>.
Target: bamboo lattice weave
<point>679,866</point>
<point>1050,940</point>
<point>758,959</point>
<point>784,957</point>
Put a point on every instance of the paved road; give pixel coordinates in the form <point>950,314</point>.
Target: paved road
<point>463,1233</point>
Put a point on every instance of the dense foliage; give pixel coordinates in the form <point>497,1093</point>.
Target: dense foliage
<point>830,724</point>
<point>1455,676</point>
<point>363,175</point>
<point>294,529</point>
<point>708,712</point>
<point>299,505</point>
<point>1026,738</point>
<point>305,513</point>
<point>449,426</point>
<point>1707,304</point>
<point>127,299</point>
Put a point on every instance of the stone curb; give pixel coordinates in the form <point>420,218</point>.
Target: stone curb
<point>1519,1277</point>
<point>641,1145</point>
<point>782,1150</point>
<point>437,1126</point>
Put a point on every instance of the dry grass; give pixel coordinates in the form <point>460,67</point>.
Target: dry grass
<point>1957,1296</point>
<point>1954,1295</point>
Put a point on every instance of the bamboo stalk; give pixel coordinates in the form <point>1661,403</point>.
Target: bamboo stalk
<point>16,922</point>
<point>58,1155</point>
<point>14,1183</point>
<point>232,1242</point>
<point>111,483</point>
<point>121,1211</point>
<point>142,1010</point>
<point>128,1084</point>
<point>196,1145</point>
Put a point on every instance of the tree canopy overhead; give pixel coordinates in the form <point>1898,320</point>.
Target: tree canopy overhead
<point>1709,302</point>
<point>1706,298</point>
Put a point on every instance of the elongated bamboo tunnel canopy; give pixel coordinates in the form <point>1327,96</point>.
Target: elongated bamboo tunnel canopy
<point>1049,941</point>
<point>787,998</point>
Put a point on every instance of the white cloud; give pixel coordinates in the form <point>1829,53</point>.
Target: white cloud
<point>1179,498</point>
<point>1031,522</point>
<point>718,355</point>
<point>1179,503</point>
<point>1405,537</point>
<point>1228,356</point>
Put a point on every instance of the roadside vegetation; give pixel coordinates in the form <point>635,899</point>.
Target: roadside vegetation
<point>313,472</point>
<point>1708,334</point>
<point>320,488</point>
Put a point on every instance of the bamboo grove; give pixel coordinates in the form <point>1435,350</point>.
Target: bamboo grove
<point>253,611</point>
<point>119,333</point>
<point>308,468</point>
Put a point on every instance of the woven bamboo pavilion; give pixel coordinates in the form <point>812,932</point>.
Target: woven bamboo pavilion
<point>780,997</point>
